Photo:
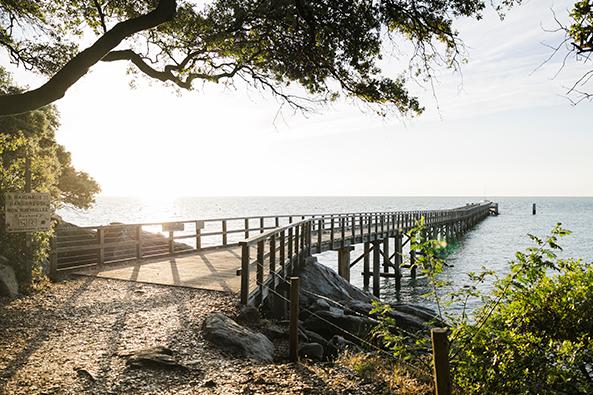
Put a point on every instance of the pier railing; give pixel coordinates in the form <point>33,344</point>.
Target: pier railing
<point>280,251</point>
<point>76,247</point>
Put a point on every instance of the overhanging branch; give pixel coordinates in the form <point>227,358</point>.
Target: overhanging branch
<point>56,87</point>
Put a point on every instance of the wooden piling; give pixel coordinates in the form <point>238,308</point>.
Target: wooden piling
<point>386,262</point>
<point>397,260</point>
<point>377,268</point>
<point>366,265</point>
<point>344,262</point>
<point>533,209</point>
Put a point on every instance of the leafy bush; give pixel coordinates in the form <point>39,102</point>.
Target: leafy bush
<point>532,335</point>
<point>535,336</point>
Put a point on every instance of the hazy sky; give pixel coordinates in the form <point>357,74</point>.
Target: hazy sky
<point>502,129</point>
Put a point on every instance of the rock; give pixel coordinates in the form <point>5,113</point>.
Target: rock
<point>329,323</point>
<point>209,383</point>
<point>316,338</point>
<point>420,312</point>
<point>312,351</point>
<point>8,284</point>
<point>155,357</point>
<point>85,374</point>
<point>274,331</point>
<point>320,305</point>
<point>248,315</point>
<point>226,333</point>
<point>360,307</point>
<point>317,279</point>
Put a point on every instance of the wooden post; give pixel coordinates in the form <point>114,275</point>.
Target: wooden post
<point>283,251</point>
<point>386,262</point>
<point>53,257</point>
<point>440,356</point>
<point>533,210</point>
<point>101,242</point>
<point>259,270</point>
<point>244,273</point>
<point>366,265</point>
<point>261,225</point>
<point>344,262</point>
<point>246,228</point>
<point>28,272</point>
<point>294,320</point>
<point>412,260</point>
<point>320,226</point>
<point>138,241</point>
<point>224,233</point>
<point>331,234</point>
<point>397,260</point>
<point>376,267</point>
<point>198,235</point>
<point>171,243</point>
<point>290,248</point>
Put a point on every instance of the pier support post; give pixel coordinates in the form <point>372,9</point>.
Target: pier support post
<point>412,261</point>
<point>397,259</point>
<point>344,262</point>
<point>366,265</point>
<point>377,267</point>
<point>386,262</point>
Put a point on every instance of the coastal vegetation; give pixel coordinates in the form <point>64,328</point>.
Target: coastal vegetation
<point>532,334</point>
<point>31,136</point>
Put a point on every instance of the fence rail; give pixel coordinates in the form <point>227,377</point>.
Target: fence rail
<point>76,247</point>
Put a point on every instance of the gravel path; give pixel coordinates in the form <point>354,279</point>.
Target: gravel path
<point>69,339</point>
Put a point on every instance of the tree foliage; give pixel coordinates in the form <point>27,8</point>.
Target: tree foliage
<point>328,47</point>
<point>32,135</point>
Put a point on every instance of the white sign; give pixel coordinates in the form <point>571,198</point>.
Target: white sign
<point>27,212</point>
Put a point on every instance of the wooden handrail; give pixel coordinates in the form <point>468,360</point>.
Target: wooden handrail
<point>81,241</point>
<point>265,235</point>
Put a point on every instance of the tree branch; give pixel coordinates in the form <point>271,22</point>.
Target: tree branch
<point>167,74</point>
<point>79,65</point>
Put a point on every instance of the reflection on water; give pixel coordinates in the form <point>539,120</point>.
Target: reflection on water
<point>492,243</point>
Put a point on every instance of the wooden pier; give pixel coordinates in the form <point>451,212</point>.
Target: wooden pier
<point>252,256</point>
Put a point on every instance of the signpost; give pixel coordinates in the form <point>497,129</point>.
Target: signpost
<point>27,212</point>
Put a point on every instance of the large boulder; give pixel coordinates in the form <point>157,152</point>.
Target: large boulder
<point>8,283</point>
<point>329,323</point>
<point>317,279</point>
<point>332,306</point>
<point>232,337</point>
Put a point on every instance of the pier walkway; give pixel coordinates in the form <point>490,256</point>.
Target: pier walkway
<point>249,255</point>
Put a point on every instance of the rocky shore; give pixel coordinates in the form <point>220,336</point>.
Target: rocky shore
<point>99,336</point>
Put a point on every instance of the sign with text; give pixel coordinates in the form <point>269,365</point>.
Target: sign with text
<point>173,227</point>
<point>27,212</point>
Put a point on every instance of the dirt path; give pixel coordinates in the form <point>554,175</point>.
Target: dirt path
<point>68,340</point>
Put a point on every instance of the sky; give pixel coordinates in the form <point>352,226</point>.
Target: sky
<point>501,128</point>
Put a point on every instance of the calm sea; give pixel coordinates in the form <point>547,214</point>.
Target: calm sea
<point>491,244</point>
